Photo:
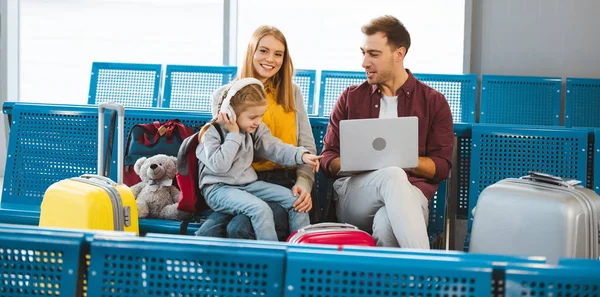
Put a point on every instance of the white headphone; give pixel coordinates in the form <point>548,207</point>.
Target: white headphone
<point>237,85</point>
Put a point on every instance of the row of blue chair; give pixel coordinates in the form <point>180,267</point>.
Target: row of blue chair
<point>49,143</point>
<point>190,87</point>
<point>185,86</point>
<point>519,100</point>
<point>55,262</point>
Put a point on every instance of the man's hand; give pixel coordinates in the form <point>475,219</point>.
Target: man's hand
<point>334,166</point>
<point>426,168</point>
<point>304,201</point>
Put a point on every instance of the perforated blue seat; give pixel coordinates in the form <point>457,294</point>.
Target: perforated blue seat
<point>306,80</point>
<point>47,143</point>
<point>191,87</point>
<point>520,100</point>
<point>40,263</point>
<point>461,170</point>
<point>577,278</point>
<point>171,267</point>
<point>596,158</point>
<point>342,274</point>
<point>333,83</point>
<point>503,151</point>
<point>132,85</point>
<point>460,91</point>
<point>582,102</point>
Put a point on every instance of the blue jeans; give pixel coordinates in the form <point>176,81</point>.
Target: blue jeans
<point>219,224</point>
<point>250,200</point>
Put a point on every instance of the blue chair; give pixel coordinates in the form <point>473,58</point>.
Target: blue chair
<point>191,87</point>
<point>436,229</point>
<point>170,267</point>
<point>306,80</point>
<point>47,143</point>
<point>461,170</point>
<point>520,100</point>
<point>333,83</point>
<point>503,151</point>
<point>460,91</point>
<point>41,263</point>
<point>596,159</point>
<point>582,102</point>
<point>341,273</point>
<point>132,85</point>
<point>572,279</point>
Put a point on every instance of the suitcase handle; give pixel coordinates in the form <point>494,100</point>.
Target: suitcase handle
<point>100,177</point>
<point>547,178</point>
<point>327,226</point>
<point>120,135</point>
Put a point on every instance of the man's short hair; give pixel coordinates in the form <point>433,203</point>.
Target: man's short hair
<point>393,29</point>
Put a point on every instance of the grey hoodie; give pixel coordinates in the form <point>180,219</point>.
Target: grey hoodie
<point>231,162</point>
<point>304,175</point>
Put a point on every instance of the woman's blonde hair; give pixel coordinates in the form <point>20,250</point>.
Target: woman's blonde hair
<point>248,96</point>
<point>282,80</point>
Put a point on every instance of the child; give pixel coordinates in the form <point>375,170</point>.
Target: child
<point>227,180</point>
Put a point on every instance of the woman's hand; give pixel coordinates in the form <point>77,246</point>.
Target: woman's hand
<point>312,160</point>
<point>229,124</point>
<point>304,201</point>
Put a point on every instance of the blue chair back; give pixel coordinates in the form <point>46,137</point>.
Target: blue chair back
<point>460,91</point>
<point>47,144</point>
<point>191,87</point>
<point>520,100</point>
<point>169,267</point>
<point>501,151</point>
<point>333,83</point>
<point>551,280</point>
<point>596,159</point>
<point>132,85</point>
<point>582,102</point>
<point>305,78</point>
<point>365,274</point>
<point>40,263</point>
<point>461,169</point>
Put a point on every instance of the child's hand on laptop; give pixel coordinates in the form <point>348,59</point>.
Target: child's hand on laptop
<point>312,160</point>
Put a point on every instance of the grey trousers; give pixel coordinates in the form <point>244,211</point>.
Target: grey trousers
<point>385,203</point>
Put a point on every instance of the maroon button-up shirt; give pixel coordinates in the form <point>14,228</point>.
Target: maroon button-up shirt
<point>436,132</point>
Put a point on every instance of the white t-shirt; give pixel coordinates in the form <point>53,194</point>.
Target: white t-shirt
<point>389,107</point>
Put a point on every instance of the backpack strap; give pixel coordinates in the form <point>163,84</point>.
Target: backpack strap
<point>189,146</point>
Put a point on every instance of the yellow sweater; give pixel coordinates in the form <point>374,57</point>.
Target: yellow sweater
<point>282,125</point>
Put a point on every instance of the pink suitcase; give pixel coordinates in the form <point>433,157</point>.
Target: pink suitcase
<point>333,234</point>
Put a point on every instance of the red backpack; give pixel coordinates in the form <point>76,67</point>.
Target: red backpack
<point>191,201</point>
<point>147,140</point>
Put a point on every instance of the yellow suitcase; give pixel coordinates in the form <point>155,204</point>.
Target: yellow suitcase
<point>93,201</point>
<point>89,202</point>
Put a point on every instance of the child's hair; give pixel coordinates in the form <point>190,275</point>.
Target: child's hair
<point>248,96</point>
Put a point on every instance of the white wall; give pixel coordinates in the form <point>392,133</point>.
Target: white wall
<point>536,37</point>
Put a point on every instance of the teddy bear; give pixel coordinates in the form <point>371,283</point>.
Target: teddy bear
<point>155,195</point>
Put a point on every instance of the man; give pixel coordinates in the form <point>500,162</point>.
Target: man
<point>391,202</point>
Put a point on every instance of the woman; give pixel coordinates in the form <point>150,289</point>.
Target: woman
<point>268,60</point>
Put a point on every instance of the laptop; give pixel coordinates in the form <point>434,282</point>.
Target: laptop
<point>372,144</point>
